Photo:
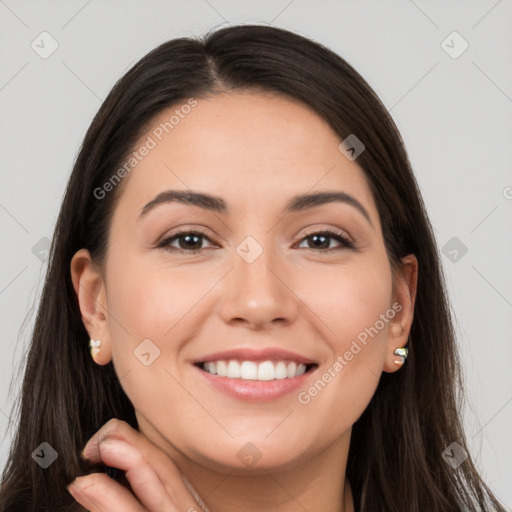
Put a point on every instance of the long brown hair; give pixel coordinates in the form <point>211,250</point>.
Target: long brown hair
<point>395,459</point>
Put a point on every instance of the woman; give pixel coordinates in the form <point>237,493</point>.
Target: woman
<point>244,307</point>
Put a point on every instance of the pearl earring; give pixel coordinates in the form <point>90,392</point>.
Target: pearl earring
<point>94,345</point>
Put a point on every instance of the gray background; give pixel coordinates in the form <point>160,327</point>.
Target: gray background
<point>454,115</point>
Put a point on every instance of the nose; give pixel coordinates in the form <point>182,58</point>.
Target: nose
<point>260,293</point>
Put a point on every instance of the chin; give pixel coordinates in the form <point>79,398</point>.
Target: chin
<point>255,457</point>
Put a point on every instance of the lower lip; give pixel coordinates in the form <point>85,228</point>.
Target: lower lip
<point>255,390</point>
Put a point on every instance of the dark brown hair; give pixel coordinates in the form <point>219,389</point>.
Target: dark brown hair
<point>395,461</point>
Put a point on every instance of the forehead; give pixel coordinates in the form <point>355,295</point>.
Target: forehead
<point>254,149</point>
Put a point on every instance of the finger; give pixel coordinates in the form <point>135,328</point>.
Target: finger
<point>99,493</point>
<point>143,480</point>
<point>160,462</point>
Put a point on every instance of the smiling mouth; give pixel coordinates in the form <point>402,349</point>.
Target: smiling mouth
<point>257,371</point>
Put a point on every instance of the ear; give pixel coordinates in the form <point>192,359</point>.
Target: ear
<point>90,290</point>
<point>404,297</point>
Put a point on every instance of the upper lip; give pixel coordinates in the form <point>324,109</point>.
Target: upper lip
<point>249,354</point>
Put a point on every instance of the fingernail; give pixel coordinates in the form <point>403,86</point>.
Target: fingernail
<point>85,452</point>
<point>93,440</point>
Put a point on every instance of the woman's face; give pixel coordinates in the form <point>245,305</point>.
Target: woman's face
<point>265,280</point>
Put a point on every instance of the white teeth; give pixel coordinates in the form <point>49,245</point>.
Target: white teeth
<point>221,368</point>
<point>250,370</point>
<point>301,369</point>
<point>210,367</point>
<point>233,371</point>
<point>266,371</point>
<point>280,371</point>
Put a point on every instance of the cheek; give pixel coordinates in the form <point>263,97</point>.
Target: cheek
<point>355,305</point>
<point>152,316</point>
<point>147,304</point>
<point>350,299</point>
<point>158,302</point>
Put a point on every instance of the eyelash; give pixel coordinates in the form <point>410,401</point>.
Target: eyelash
<point>346,243</point>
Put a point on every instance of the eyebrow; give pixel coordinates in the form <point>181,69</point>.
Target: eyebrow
<point>218,205</point>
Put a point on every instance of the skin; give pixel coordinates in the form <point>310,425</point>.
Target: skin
<point>255,151</point>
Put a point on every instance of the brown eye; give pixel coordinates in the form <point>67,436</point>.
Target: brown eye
<point>188,241</point>
<point>322,240</point>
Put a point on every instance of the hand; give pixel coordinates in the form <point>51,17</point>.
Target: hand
<point>154,478</point>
